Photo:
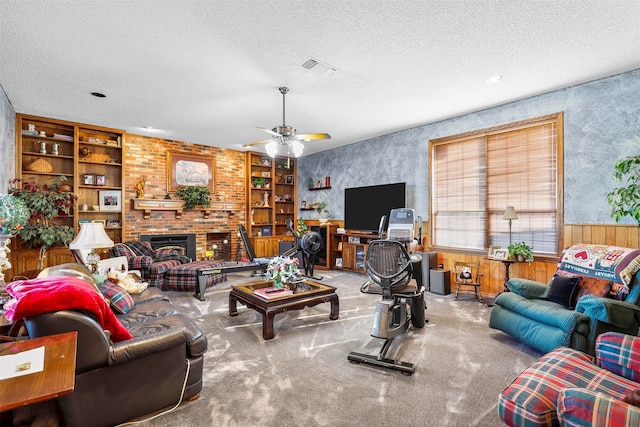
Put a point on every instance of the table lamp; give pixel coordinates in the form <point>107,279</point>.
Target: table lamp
<point>91,236</point>
<point>510,214</point>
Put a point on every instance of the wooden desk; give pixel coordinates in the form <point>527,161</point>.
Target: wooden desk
<point>57,377</point>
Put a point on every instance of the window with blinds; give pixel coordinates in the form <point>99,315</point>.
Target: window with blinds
<point>475,176</point>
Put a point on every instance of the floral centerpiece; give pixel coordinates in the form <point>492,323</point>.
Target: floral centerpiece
<point>283,270</point>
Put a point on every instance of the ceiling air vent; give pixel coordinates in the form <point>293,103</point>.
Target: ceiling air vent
<point>319,68</point>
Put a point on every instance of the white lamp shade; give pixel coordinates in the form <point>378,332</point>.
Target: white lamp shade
<point>297,147</point>
<point>272,148</point>
<point>91,236</point>
<point>510,213</point>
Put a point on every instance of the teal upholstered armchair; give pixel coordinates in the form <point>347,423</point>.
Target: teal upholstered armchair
<point>573,309</point>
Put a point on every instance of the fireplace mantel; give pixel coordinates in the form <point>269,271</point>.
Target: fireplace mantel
<point>149,205</point>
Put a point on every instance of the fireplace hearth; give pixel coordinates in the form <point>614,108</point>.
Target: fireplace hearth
<point>185,240</point>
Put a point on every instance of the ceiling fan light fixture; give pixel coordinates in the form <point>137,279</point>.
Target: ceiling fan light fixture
<point>296,147</point>
<point>272,148</point>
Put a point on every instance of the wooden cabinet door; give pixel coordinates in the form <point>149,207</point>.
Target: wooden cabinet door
<point>23,261</point>
<point>360,252</point>
<point>348,256</point>
<point>58,256</point>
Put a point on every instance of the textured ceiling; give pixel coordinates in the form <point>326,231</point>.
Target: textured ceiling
<point>208,71</point>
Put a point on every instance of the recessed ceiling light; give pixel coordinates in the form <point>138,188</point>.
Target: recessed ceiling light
<point>495,79</point>
<point>98,95</point>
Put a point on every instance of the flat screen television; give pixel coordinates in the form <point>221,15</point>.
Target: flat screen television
<point>364,206</point>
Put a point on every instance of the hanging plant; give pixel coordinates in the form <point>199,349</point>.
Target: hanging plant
<point>625,201</point>
<point>194,196</point>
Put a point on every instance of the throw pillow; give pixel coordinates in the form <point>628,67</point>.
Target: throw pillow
<point>596,287</point>
<point>562,290</point>
<point>119,299</point>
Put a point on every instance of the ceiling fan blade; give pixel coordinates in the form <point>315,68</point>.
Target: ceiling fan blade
<point>268,131</point>
<point>310,136</point>
<point>257,143</point>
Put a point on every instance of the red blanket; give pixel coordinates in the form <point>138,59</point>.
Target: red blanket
<point>37,296</point>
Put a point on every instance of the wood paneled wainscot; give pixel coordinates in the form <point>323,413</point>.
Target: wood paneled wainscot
<point>542,269</point>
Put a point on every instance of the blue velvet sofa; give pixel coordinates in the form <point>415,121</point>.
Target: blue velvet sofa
<point>533,313</point>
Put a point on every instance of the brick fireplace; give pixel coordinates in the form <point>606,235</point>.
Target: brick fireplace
<point>146,156</point>
<point>184,240</point>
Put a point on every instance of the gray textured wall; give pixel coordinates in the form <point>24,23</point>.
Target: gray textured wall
<point>601,125</point>
<point>7,142</point>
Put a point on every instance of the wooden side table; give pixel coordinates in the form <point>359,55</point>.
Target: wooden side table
<point>507,264</point>
<point>56,379</point>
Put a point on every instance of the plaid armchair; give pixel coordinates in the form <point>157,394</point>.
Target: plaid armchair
<point>152,264</point>
<point>565,387</point>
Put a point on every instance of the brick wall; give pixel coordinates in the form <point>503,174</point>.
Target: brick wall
<point>147,156</point>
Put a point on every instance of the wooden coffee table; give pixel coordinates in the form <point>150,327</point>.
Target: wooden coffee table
<point>307,294</point>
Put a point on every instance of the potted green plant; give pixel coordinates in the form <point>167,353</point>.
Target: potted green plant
<point>194,196</point>
<point>521,252</point>
<point>258,181</point>
<point>46,205</point>
<point>625,200</point>
<point>322,209</point>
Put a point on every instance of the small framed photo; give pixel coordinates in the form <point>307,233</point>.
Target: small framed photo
<point>492,251</point>
<point>288,179</point>
<point>113,223</point>
<point>110,200</point>
<point>266,161</point>
<point>89,179</point>
<point>266,174</point>
<point>338,262</point>
<point>101,180</point>
<point>500,254</point>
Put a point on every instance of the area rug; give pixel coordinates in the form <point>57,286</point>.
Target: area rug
<point>302,377</point>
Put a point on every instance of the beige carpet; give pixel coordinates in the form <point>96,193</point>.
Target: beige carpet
<point>303,377</point>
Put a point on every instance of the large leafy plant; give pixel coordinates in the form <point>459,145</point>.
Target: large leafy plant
<point>194,196</point>
<point>46,204</point>
<point>625,200</point>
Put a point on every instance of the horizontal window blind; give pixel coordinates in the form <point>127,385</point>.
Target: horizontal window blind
<point>475,177</point>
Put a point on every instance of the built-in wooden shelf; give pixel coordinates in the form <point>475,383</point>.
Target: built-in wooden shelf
<point>150,205</point>
<point>230,207</point>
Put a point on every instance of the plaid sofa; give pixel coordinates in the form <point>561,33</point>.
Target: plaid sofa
<point>152,264</point>
<point>565,387</point>
<point>184,277</point>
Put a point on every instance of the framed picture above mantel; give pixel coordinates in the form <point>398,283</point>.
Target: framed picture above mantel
<point>184,169</point>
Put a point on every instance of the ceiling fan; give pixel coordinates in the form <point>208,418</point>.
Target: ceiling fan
<point>286,135</point>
